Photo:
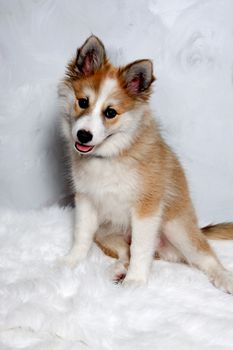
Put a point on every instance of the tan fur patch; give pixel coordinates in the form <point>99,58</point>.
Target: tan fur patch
<point>109,251</point>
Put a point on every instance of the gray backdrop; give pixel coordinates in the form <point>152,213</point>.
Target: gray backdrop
<point>190,42</point>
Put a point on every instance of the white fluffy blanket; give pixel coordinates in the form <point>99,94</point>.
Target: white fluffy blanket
<point>46,306</point>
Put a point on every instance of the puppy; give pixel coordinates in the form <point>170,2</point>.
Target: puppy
<point>131,195</point>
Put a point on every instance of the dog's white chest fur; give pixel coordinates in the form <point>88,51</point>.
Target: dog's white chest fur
<point>110,184</point>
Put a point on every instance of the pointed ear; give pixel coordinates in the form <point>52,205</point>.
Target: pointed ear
<point>138,76</point>
<point>90,56</point>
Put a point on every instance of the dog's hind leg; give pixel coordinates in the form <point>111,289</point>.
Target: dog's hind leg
<point>187,238</point>
<point>115,246</point>
<point>166,251</point>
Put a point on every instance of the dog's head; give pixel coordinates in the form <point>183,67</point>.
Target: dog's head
<point>103,105</point>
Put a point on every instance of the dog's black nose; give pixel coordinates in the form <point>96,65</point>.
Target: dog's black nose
<point>84,136</point>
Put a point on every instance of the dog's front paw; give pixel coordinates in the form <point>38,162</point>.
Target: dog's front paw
<point>69,260</point>
<point>223,281</point>
<point>134,282</point>
<point>117,272</point>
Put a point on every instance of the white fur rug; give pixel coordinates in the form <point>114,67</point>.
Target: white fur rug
<point>46,306</point>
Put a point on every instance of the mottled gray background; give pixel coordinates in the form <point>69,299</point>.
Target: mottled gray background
<point>190,42</point>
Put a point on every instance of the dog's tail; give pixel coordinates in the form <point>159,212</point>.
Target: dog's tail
<point>219,231</point>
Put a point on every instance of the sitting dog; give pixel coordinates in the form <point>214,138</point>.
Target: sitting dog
<point>131,194</point>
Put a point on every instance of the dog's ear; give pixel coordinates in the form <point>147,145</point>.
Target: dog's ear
<point>137,77</point>
<point>90,56</point>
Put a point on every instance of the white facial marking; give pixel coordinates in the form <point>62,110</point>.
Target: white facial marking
<point>88,92</point>
<point>94,122</point>
<point>107,88</point>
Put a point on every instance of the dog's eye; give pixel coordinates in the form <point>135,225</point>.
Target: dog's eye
<point>110,113</point>
<point>83,102</point>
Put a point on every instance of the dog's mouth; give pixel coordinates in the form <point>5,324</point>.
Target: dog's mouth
<point>83,148</point>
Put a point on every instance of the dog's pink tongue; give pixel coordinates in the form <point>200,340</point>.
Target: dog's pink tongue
<point>83,148</point>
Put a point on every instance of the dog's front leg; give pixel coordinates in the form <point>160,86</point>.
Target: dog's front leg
<point>145,238</point>
<point>86,224</point>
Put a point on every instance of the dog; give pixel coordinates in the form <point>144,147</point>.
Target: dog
<point>131,194</point>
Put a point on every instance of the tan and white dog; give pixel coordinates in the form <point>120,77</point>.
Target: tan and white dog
<point>131,193</point>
